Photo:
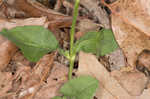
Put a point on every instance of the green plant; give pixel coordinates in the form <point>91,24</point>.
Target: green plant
<point>36,41</point>
<point>82,87</point>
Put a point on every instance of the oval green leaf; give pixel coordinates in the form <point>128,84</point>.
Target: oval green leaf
<point>82,87</point>
<point>34,41</point>
<point>99,43</point>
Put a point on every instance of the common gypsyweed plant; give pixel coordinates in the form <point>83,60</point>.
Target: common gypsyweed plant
<point>36,41</point>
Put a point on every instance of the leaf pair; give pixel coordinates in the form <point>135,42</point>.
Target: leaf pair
<point>82,87</point>
<point>36,41</point>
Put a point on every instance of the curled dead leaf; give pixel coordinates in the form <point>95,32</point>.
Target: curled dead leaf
<point>144,60</point>
<point>35,9</point>
<point>130,24</point>
<point>89,65</point>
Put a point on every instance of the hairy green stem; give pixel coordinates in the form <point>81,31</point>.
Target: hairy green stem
<point>72,31</point>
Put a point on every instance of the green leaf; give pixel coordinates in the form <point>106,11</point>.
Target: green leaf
<point>99,43</point>
<point>82,87</point>
<point>34,41</point>
<point>64,53</point>
<point>57,97</point>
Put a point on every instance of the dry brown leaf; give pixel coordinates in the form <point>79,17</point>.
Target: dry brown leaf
<point>116,60</point>
<point>44,66</point>
<point>134,82</point>
<point>5,23</point>
<point>130,24</point>
<point>89,65</point>
<point>109,87</point>
<point>35,9</point>
<point>144,60</point>
<point>32,80</point>
<point>139,17</point>
<point>102,93</point>
<point>7,11</point>
<point>101,14</point>
<point>84,26</point>
<point>5,83</point>
<point>19,59</point>
<point>57,77</point>
<point>145,95</point>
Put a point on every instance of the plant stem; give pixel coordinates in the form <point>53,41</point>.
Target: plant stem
<point>64,97</point>
<point>72,31</point>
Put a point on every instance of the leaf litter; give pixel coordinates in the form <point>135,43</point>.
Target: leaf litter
<point>22,79</point>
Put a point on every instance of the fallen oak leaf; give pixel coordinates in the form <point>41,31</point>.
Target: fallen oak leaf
<point>143,60</point>
<point>131,27</point>
<point>89,65</point>
<point>133,82</point>
<point>56,79</point>
<point>97,11</point>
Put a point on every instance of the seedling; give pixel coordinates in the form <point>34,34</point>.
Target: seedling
<point>36,41</point>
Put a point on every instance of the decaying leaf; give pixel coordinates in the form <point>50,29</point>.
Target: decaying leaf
<point>109,87</point>
<point>134,82</point>
<point>130,24</point>
<point>32,80</point>
<point>145,95</point>
<point>5,83</point>
<point>57,77</point>
<point>116,59</point>
<point>8,24</point>
<point>84,26</point>
<point>97,11</point>
<point>144,60</point>
<point>89,65</point>
<point>35,9</point>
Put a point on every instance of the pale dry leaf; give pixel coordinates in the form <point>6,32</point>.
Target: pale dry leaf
<point>5,83</point>
<point>8,24</point>
<point>97,11</point>
<point>18,59</point>
<point>31,80</point>
<point>134,82</point>
<point>116,59</point>
<point>34,9</point>
<point>84,26</point>
<point>143,60</point>
<point>136,12</point>
<point>44,65</point>
<point>38,75</point>
<point>56,79</point>
<point>145,95</point>
<point>130,24</point>
<point>102,93</point>
<point>89,65</point>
